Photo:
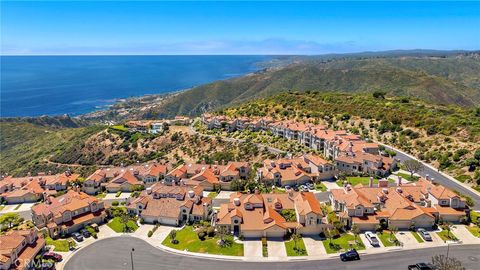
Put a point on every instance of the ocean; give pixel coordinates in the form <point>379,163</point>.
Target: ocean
<point>56,85</point>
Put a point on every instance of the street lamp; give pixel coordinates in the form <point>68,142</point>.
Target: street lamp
<point>131,256</point>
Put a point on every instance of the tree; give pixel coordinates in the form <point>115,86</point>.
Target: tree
<point>124,219</point>
<point>447,226</point>
<point>355,231</point>
<point>392,230</point>
<point>329,235</point>
<point>222,232</point>
<point>9,220</point>
<point>413,166</point>
<point>379,94</point>
<point>443,262</point>
<point>173,236</point>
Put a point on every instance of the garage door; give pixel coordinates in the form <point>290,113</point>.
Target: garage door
<point>275,234</point>
<point>253,234</point>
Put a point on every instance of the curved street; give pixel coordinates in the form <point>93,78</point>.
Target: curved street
<point>114,253</point>
<point>440,178</point>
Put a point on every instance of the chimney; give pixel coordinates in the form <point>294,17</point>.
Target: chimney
<point>191,193</point>
<point>432,180</point>
<point>236,201</point>
<point>370,182</point>
<point>257,191</point>
<point>383,183</point>
<point>202,162</point>
<point>427,176</point>
<point>149,190</point>
<point>399,181</point>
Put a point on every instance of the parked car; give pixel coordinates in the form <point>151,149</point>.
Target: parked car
<point>421,266</point>
<point>372,238</point>
<point>295,188</point>
<point>288,187</point>
<point>78,237</point>
<point>424,234</point>
<point>85,233</point>
<point>304,188</point>
<point>52,256</point>
<point>350,255</point>
<point>311,186</point>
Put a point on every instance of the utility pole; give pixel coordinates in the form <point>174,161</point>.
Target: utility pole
<point>131,256</point>
<point>448,248</point>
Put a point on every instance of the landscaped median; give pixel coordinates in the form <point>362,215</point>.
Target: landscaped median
<point>118,226</point>
<point>60,245</point>
<point>417,237</point>
<point>388,238</point>
<point>355,180</point>
<point>296,248</point>
<point>447,235</point>
<point>343,243</point>
<point>188,240</point>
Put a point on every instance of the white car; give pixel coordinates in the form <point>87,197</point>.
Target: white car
<point>372,238</point>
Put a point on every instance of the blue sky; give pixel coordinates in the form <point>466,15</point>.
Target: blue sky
<point>108,27</point>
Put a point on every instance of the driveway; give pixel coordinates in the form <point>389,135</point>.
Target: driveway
<point>407,239</point>
<point>462,233</point>
<point>252,248</point>
<point>367,243</point>
<point>314,246</point>
<point>330,184</point>
<point>276,248</point>
<point>112,196</point>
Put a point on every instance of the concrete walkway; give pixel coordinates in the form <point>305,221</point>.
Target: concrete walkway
<point>276,248</point>
<point>314,246</point>
<point>252,248</point>
<point>407,239</point>
<point>462,233</point>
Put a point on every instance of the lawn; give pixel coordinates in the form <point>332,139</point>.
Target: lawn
<point>355,180</point>
<point>60,245</point>
<point>474,216</point>
<point>300,251</point>
<point>408,177</point>
<point>417,237</point>
<point>446,236</point>
<point>1,207</point>
<point>119,128</point>
<point>188,240</point>
<point>475,230</point>
<point>264,247</point>
<point>101,195</point>
<point>320,187</point>
<point>387,239</point>
<point>343,243</point>
<point>117,226</point>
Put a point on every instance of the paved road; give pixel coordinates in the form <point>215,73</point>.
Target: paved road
<point>114,253</point>
<point>440,178</point>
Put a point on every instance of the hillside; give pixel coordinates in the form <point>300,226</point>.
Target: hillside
<point>27,147</point>
<point>445,135</point>
<point>443,80</point>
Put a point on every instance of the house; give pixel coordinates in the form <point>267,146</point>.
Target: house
<point>180,120</point>
<point>125,181</point>
<point>209,176</point>
<point>295,171</point>
<point>59,182</point>
<point>357,163</point>
<point>19,248</point>
<point>401,206</point>
<point>28,190</point>
<point>271,215</point>
<point>68,213</point>
<point>171,205</point>
<point>146,173</point>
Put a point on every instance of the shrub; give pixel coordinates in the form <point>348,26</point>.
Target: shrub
<point>123,203</point>
<point>115,203</point>
<point>150,233</point>
<point>118,194</point>
<point>142,221</point>
<point>201,235</point>
<point>211,231</point>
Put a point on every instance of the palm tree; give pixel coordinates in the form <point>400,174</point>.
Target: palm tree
<point>173,236</point>
<point>392,230</point>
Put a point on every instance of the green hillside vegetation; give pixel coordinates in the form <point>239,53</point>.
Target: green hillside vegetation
<point>442,80</point>
<point>25,147</point>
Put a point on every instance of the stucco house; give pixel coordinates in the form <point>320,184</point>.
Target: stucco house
<point>19,248</point>
<point>68,213</point>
